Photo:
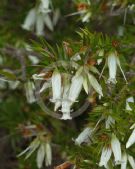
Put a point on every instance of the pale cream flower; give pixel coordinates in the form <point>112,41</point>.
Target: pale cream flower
<point>70,94</point>
<point>38,18</point>
<point>85,84</point>
<point>13,84</point>
<point>128,101</point>
<point>45,86</point>
<point>48,154</point>
<point>99,61</point>
<point>124,161</point>
<point>2,84</point>
<point>48,22</point>
<point>76,57</point>
<point>114,62</point>
<point>94,83</point>
<point>39,76</point>
<point>110,121</point>
<point>66,110</point>
<point>39,24</point>
<point>29,90</point>
<point>1,60</point>
<point>40,156</point>
<point>30,20</point>
<point>75,88</point>
<point>45,3</point>
<point>105,156</point>
<point>131,161</point>
<point>44,151</point>
<point>121,31</point>
<point>66,104</point>
<point>56,89</point>
<point>100,53</point>
<point>131,139</point>
<point>86,17</point>
<point>131,7</point>
<point>34,60</point>
<point>116,148</point>
<point>56,16</point>
<point>31,148</point>
<point>84,137</point>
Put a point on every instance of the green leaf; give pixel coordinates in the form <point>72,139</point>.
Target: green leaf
<point>8,74</point>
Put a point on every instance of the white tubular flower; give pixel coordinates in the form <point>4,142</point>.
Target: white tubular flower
<point>113,61</point>
<point>2,84</point>
<point>128,101</point>
<point>40,156</point>
<point>40,24</point>
<point>34,60</point>
<point>131,139</point>
<point>48,22</point>
<point>56,16</point>
<point>45,86</point>
<point>112,64</point>
<point>13,84</point>
<point>29,89</point>
<point>56,89</point>
<point>30,149</point>
<point>121,31</point>
<point>110,121</point>
<point>76,57</point>
<point>99,61</point>
<point>1,60</point>
<point>116,148</point>
<point>105,156</point>
<point>131,161</point>
<point>94,83</point>
<point>45,4</point>
<point>39,76</point>
<point>131,7</point>
<point>57,105</point>
<point>44,7</point>
<point>100,53</point>
<point>76,87</point>
<point>38,17</point>
<point>86,17</point>
<point>84,136</point>
<point>85,84</point>
<point>48,154</point>
<point>124,161</point>
<point>30,20</point>
<point>133,126</point>
<point>66,104</point>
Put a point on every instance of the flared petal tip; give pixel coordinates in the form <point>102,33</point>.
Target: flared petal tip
<point>57,105</point>
<point>66,117</point>
<point>127,145</point>
<point>112,80</point>
<point>40,33</point>
<point>100,94</point>
<point>25,27</point>
<point>101,164</point>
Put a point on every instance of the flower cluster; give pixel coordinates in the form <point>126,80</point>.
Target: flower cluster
<point>66,88</point>
<point>77,74</point>
<point>41,144</point>
<point>38,17</point>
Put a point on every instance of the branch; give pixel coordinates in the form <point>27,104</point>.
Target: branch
<point>20,55</point>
